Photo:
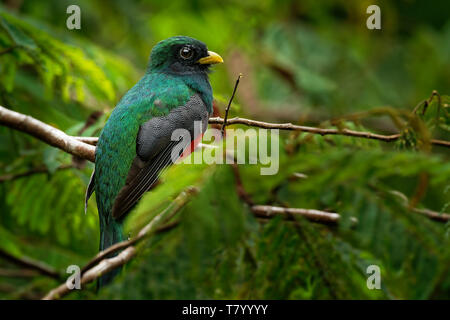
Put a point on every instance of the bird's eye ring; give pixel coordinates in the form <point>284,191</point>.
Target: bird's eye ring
<point>186,53</point>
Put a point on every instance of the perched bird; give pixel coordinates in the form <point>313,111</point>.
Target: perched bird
<point>136,142</point>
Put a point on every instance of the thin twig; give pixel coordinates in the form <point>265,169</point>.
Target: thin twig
<point>314,130</point>
<point>43,169</point>
<point>229,104</point>
<point>433,215</point>
<point>425,103</point>
<point>18,273</point>
<point>310,214</point>
<point>30,263</point>
<point>6,50</point>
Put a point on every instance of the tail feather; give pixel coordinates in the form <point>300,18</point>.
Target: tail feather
<point>110,233</point>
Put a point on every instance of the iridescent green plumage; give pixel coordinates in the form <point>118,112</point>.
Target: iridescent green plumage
<point>170,82</point>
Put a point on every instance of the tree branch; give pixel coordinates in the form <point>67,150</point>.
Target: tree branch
<point>18,273</point>
<point>164,216</point>
<point>46,133</point>
<point>13,176</point>
<point>313,215</point>
<point>433,215</point>
<point>29,263</point>
<point>102,268</point>
<point>101,264</point>
<point>83,147</point>
<point>293,127</point>
<point>321,131</point>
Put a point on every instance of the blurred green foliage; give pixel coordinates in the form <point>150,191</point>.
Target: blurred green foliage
<point>310,61</point>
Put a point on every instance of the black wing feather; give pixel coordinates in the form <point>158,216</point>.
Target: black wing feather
<point>142,182</point>
<point>154,148</point>
<point>90,189</point>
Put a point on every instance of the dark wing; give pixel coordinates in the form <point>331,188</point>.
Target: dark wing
<point>158,145</point>
<point>90,189</point>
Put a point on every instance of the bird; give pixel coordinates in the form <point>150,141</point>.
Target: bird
<point>136,143</point>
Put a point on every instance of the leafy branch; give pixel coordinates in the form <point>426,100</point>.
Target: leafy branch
<point>84,147</point>
<point>103,263</point>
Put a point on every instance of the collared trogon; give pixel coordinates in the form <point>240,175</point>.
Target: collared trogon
<point>136,142</point>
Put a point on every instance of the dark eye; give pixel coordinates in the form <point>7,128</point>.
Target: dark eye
<point>186,53</point>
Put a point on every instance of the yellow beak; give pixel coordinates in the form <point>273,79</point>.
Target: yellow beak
<point>212,58</point>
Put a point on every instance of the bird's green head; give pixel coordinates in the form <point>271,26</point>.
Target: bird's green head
<point>182,55</point>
